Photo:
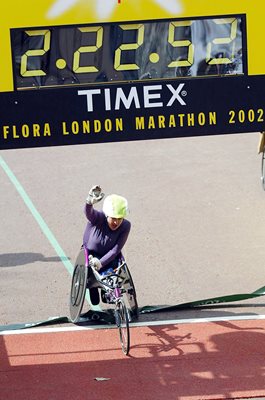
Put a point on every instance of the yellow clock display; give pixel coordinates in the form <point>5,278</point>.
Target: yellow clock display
<point>129,51</point>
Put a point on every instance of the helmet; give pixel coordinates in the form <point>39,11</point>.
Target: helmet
<point>115,206</point>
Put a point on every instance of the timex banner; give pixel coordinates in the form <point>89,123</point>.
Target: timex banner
<point>132,111</point>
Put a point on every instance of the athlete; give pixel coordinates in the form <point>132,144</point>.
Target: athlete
<point>106,232</point>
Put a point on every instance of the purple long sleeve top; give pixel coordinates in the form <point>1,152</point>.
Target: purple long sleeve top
<point>99,238</point>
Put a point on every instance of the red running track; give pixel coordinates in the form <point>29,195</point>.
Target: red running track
<point>216,360</point>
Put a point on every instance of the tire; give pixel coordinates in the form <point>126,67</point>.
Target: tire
<point>78,291</point>
<point>132,292</point>
<point>263,170</point>
<point>122,322</point>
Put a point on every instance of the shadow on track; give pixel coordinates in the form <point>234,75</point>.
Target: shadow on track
<point>15,259</point>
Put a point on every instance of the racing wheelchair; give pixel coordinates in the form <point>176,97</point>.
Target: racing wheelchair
<point>116,293</point>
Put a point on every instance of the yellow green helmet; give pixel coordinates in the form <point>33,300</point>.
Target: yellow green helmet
<point>115,206</point>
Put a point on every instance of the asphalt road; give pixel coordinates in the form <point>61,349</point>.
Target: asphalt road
<point>197,212</point>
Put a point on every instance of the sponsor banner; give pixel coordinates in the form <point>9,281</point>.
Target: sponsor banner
<point>132,111</point>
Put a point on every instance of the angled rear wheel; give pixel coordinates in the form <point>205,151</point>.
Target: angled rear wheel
<point>78,288</point>
<point>134,309</point>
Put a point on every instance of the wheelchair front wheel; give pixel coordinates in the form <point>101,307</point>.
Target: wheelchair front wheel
<point>122,322</point>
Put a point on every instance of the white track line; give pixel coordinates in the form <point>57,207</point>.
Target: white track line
<point>134,324</point>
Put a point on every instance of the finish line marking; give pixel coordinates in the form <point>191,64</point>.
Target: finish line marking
<point>135,324</point>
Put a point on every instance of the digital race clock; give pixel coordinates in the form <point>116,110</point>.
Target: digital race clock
<point>74,72</point>
<point>129,51</point>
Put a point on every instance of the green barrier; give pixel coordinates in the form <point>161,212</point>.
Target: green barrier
<point>50,321</point>
<point>103,317</point>
<point>211,301</point>
<point>100,317</point>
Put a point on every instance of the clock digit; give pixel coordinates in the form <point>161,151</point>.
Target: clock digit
<point>224,40</point>
<point>88,49</point>
<point>35,53</point>
<point>128,46</point>
<point>180,43</point>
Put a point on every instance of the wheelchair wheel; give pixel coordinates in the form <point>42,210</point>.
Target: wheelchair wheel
<point>78,288</point>
<point>132,292</point>
<point>122,322</point>
<point>263,170</point>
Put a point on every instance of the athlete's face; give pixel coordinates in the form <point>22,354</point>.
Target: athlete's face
<point>114,223</point>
